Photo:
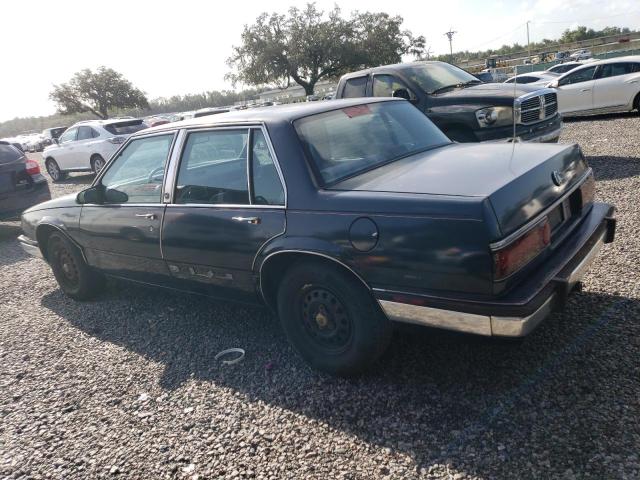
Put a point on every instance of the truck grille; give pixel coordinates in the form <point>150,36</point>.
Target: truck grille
<point>540,107</point>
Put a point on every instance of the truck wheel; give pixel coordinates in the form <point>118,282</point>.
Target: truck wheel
<point>331,319</point>
<point>76,279</point>
<point>97,163</point>
<point>461,135</point>
<point>54,170</point>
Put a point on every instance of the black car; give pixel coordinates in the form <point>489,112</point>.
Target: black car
<point>21,183</point>
<point>341,216</point>
<point>461,105</point>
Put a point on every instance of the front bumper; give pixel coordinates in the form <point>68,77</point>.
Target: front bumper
<point>519,313</point>
<point>546,131</point>
<point>30,246</point>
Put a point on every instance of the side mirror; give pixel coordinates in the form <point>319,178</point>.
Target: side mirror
<point>553,84</point>
<point>91,195</point>
<point>115,196</point>
<point>55,140</point>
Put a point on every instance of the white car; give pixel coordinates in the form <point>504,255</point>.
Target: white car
<point>532,78</point>
<point>87,146</point>
<point>581,55</point>
<point>611,85</point>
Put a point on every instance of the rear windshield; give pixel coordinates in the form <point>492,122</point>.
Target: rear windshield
<point>8,154</point>
<point>125,128</point>
<point>345,142</point>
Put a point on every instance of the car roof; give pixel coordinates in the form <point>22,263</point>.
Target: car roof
<point>606,61</point>
<point>107,121</point>
<point>275,113</point>
<point>394,66</point>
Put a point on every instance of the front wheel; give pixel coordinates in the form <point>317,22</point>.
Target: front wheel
<point>76,279</point>
<point>54,171</point>
<point>331,319</point>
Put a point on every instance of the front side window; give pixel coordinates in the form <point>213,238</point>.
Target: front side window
<point>213,169</point>
<point>266,186</point>
<point>348,141</point>
<point>355,87</point>
<point>580,76</point>
<point>386,85</point>
<point>137,174</point>
<point>69,135</point>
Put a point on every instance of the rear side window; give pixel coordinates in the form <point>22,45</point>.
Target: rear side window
<point>8,154</point>
<point>355,87</point>
<point>125,128</point>
<point>86,133</point>
<point>213,169</point>
<point>267,188</point>
<point>616,69</point>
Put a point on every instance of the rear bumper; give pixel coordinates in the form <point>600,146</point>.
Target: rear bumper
<point>30,246</point>
<point>17,202</point>
<point>520,312</point>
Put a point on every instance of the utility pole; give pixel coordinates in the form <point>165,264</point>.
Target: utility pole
<point>528,44</point>
<point>449,35</point>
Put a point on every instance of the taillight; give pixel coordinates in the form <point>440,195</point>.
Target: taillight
<point>588,190</point>
<point>116,140</point>
<point>517,254</point>
<point>32,167</point>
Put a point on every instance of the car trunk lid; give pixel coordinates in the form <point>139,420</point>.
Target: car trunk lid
<point>518,179</point>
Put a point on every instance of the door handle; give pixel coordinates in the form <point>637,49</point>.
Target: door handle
<point>251,220</point>
<point>585,90</point>
<point>148,216</point>
<point>633,81</point>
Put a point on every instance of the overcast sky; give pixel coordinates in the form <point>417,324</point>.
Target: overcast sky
<point>178,47</point>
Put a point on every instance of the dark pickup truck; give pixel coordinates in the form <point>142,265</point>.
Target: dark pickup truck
<point>463,107</point>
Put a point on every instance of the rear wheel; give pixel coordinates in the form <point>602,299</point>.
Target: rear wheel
<point>97,163</point>
<point>331,319</point>
<point>636,103</point>
<point>54,170</point>
<point>76,279</point>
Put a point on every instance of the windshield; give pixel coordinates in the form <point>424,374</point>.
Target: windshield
<point>351,140</point>
<point>434,76</point>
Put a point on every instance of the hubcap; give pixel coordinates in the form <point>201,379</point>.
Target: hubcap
<point>68,267</point>
<point>99,164</point>
<point>53,170</point>
<point>325,319</point>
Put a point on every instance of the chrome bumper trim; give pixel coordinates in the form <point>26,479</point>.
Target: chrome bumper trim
<point>489,325</point>
<point>29,246</point>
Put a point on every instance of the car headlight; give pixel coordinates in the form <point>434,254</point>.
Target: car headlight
<point>495,116</point>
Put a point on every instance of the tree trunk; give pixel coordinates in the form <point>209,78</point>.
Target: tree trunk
<point>308,88</point>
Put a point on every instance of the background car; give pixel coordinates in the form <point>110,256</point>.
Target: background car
<point>21,183</point>
<point>52,134</point>
<point>86,146</point>
<point>581,54</point>
<point>611,85</point>
<point>532,78</point>
<point>563,67</point>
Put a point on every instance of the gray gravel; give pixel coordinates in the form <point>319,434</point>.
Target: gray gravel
<point>127,387</point>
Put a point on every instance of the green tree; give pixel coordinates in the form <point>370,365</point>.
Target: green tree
<point>307,46</point>
<point>97,92</point>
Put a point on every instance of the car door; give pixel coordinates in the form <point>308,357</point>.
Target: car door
<point>615,85</point>
<point>83,145</point>
<point>121,234</point>
<point>65,153</point>
<point>227,203</point>
<point>575,91</point>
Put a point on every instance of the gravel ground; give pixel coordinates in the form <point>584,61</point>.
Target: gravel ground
<point>127,387</point>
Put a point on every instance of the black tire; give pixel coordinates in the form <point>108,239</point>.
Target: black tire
<point>76,279</point>
<point>636,103</point>
<point>97,163</point>
<point>53,169</point>
<point>331,319</point>
<point>461,135</point>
